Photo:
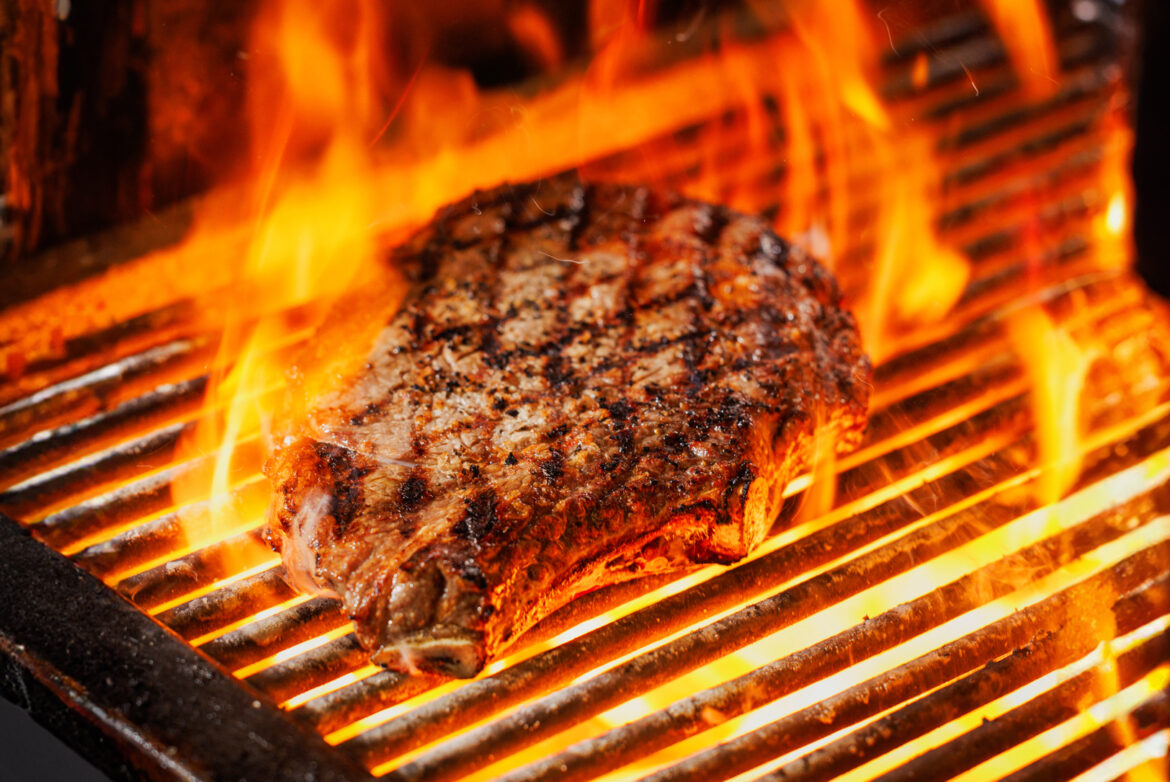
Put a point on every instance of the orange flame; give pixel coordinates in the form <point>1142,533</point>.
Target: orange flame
<point>1112,241</point>
<point>313,208</point>
<point>348,158</point>
<point>1057,367</point>
<point>1023,27</point>
<point>914,277</point>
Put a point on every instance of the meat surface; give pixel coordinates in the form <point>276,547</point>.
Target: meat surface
<point>582,384</point>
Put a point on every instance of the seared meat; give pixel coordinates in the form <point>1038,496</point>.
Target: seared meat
<point>583,384</point>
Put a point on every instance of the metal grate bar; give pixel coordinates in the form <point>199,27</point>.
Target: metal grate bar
<point>96,350</point>
<point>47,450</point>
<point>692,715</point>
<point>103,388</point>
<point>1103,743</point>
<point>118,465</point>
<point>134,502</point>
<point>178,577</point>
<point>1066,608</point>
<point>210,612</point>
<point>998,678</point>
<point>1041,713</point>
<point>273,634</point>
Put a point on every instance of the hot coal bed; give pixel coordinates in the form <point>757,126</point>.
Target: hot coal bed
<point>975,594</point>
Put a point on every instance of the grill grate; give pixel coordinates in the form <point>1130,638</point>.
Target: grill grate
<point>954,590</point>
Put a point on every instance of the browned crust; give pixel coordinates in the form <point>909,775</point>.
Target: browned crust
<point>583,384</point>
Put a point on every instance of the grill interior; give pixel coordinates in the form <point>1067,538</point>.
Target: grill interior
<point>937,618</point>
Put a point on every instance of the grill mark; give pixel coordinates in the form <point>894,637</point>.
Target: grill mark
<point>493,356</point>
<point>371,410</point>
<point>479,518</point>
<point>411,492</point>
<point>694,350</point>
<point>773,249</point>
<point>709,222</point>
<point>513,204</point>
<point>553,468</point>
<point>736,491</point>
<point>619,468</point>
<point>717,415</point>
<point>345,497</point>
<point>557,371</point>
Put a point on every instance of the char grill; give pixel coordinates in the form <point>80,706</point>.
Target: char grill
<point>978,612</point>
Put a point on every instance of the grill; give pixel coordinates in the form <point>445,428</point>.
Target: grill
<point>983,627</point>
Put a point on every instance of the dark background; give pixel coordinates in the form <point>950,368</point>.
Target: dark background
<point>29,753</point>
<point>1151,158</point>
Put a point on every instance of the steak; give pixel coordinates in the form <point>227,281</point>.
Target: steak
<point>581,384</point>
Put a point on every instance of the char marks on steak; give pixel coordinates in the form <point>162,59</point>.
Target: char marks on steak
<point>585,383</point>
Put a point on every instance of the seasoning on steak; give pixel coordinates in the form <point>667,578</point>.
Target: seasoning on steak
<point>585,383</point>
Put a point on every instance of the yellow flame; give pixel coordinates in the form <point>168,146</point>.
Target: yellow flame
<point>1111,240</point>
<point>312,209</point>
<point>1023,27</point>
<point>915,278</point>
<point>1057,368</point>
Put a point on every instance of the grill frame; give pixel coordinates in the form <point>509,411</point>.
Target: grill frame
<point>132,696</point>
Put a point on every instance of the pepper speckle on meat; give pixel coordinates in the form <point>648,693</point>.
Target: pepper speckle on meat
<point>655,369</point>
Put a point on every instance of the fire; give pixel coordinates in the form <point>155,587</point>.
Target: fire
<point>312,212</point>
<point>351,152</point>
<point>1023,27</point>
<point>914,277</point>
<point>1057,367</point>
<point>1112,246</point>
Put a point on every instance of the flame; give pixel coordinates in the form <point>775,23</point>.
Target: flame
<point>1023,27</point>
<point>350,151</point>
<point>1058,368</point>
<point>915,278</point>
<point>312,208</point>
<point>1112,241</point>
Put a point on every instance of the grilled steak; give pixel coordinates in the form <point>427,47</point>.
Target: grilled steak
<point>583,384</point>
